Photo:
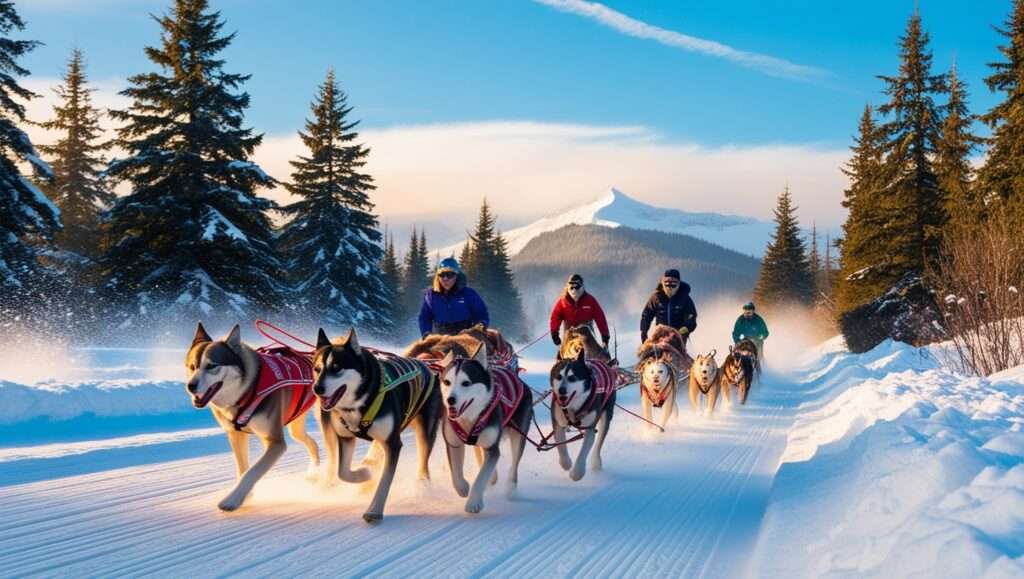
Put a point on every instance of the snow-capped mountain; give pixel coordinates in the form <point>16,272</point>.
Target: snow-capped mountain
<point>616,209</point>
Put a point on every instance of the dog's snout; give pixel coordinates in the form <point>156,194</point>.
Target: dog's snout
<point>192,387</point>
<point>561,390</point>
<point>451,401</point>
<point>318,390</point>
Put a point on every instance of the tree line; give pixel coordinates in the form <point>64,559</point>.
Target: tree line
<point>192,238</point>
<point>916,201</point>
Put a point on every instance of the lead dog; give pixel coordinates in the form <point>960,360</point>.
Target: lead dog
<point>373,396</point>
<point>251,392</point>
<point>584,398</point>
<point>706,380</point>
<point>484,403</point>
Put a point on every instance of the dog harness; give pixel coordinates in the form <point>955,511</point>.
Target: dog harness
<point>704,390</point>
<point>659,401</point>
<point>604,379</point>
<point>508,392</point>
<point>279,368</point>
<point>394,371</point>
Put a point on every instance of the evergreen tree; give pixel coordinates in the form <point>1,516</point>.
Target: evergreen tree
<point>952,160</point>
<point>78,160</point>
<point>29,219</point>
<point>332,241</point>
<point>416,279</point>
<point>191,238</point>
<point>391,277</point>
<point>815,259</point>
<point>785,276</point>
<point>864,262</point>
<point>910,137</point>
<point>487,265</point>
<point>1002,176</point>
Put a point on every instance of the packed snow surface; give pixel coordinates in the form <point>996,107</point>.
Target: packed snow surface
<point>879,465</point>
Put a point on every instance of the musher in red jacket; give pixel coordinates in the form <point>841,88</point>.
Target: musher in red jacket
<point>576,307</point>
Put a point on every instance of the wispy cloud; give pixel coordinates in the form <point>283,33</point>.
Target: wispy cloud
<point>632,27</point>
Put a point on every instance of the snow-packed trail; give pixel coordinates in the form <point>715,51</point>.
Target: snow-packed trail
<point>685,503</point>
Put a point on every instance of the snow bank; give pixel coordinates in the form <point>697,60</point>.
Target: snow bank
<point>896,467</point>
<point>101,398</point>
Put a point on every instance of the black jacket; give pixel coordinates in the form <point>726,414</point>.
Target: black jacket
<point>677,311</point>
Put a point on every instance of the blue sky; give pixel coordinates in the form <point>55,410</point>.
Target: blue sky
<point>411,63</point>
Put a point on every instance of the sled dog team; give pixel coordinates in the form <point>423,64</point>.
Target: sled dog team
<point>462,378</point>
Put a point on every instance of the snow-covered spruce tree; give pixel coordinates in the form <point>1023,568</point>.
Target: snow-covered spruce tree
<point>332,241</point>
<point>863,261</point>
<point>391,276</point>
<point>910,139</point>
<point>785,277</point>
<point>191,239</point>
<point>28,219</point>
<point>1002,176</point>
<point>77,159</point>
<point>953,158</point>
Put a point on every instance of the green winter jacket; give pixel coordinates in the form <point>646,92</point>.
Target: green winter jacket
<point>754,328</point>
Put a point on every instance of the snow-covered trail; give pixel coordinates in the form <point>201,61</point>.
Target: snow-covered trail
<point>685,503</point>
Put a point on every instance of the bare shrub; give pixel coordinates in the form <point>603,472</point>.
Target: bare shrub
<point>979,281</point>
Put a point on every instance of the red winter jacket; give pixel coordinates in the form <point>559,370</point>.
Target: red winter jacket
<point>577,314</point>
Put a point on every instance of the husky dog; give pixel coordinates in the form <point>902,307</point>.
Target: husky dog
<point>584,396</point>
<point>226,374</point>
<point>737,370</point>
<point>749,349</point>
<point>483,403</point>
<point>706,379</point>
<point>499,351</point>
<point>581,339</point>
<point>663,365</point>
<point>373,396</point>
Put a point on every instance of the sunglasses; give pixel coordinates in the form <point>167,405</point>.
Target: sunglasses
<point>575,285</point>
<point>670,284</point>
<point>446,274</point>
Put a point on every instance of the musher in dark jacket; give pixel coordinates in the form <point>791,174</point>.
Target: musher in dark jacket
<point>449,306</point>
<point>750,326</point>
<point>670,304</point>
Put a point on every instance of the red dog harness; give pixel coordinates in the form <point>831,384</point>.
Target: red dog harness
<point>508,391</point>
<point>279,368</point>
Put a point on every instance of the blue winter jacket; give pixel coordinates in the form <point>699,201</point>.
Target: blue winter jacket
<point>443,313</point>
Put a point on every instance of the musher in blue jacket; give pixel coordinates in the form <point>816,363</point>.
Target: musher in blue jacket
<point>449,306</point>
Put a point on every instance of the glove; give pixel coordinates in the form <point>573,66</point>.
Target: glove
<point>684,330</point>
<point>555,338</point>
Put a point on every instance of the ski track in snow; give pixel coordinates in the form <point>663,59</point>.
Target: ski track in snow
<point>685,503</point>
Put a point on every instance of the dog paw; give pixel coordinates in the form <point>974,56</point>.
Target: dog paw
<point>230,503</point>
<point>474,505</point>
<point>360,475</point>
<point>596,464</point>
<point>423,475</point>
<point>461,488</point>
<point>312,473</point>
<point>511,490</point>
<point>372,517</point>
<point>576,474</point>
<point>565,463</point>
